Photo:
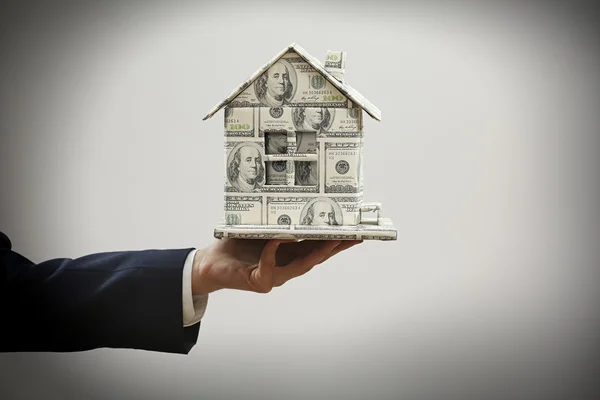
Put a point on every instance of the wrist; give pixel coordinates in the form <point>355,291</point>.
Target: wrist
<point>201,274</point>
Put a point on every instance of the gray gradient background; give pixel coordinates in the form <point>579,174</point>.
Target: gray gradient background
<point>486,160</point>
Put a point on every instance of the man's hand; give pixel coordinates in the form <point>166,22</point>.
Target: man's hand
<point>258,265</point>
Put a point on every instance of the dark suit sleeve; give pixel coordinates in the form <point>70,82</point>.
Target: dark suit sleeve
<point>130,299</point>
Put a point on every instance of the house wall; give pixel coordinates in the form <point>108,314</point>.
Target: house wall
<point>279,195</point>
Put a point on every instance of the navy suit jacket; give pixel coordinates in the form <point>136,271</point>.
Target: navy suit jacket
<point>127,299</point>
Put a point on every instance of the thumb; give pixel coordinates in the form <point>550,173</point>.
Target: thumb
<point>262,277</point>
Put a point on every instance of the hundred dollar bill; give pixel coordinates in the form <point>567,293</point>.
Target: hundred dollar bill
<point>245,168</point>
<point>290,81</point>
<point>342,167</point>
<point>239,122</point>
<point>312,211</point>
<point>243,210</point>
<point>325,121</point>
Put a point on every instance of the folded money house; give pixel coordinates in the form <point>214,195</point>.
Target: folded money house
<point>294,152</point>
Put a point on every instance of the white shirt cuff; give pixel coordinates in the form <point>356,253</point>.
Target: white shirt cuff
<point>193,306</point>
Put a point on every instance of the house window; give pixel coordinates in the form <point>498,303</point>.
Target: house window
<point>291,160</point>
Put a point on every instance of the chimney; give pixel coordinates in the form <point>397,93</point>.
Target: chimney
<point>335,64</point>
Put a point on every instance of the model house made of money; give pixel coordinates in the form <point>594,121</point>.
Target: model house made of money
<point>294,154</point>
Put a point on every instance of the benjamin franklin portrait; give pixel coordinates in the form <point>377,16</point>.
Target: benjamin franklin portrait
<point>245,169</point>
<point>312,118</point>
<point>275,87</point>
<point>321,211</point>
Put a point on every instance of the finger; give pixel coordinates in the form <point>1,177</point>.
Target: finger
<point>262,277</point>
<point>344,245</point>
<point>303,265</point>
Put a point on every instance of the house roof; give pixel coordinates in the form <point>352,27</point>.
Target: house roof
<point>343,87</point>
